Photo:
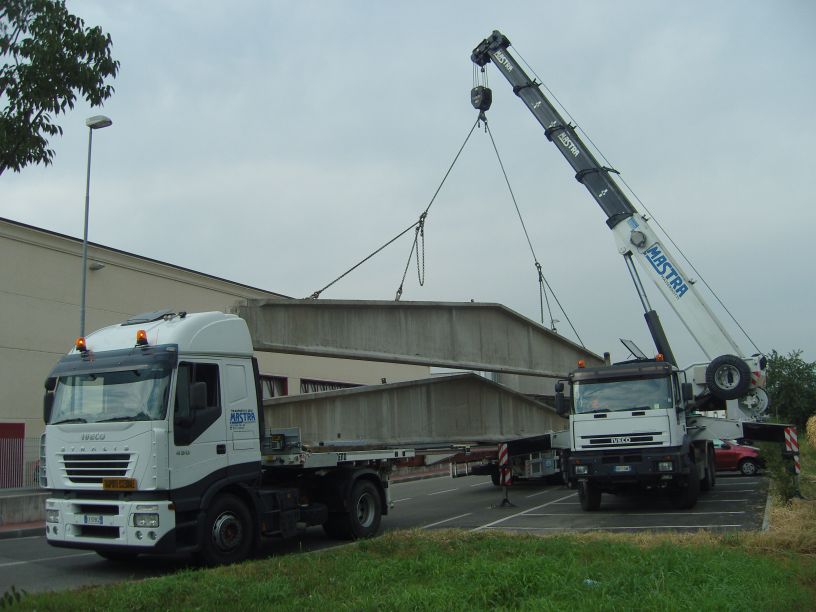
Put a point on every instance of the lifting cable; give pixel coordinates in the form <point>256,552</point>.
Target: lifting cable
<point>645,208</point>
<point>419,236</point>
<point>543,285</point>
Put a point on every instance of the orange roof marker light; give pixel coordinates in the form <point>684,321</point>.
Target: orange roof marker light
<point>659,357</point>
<point>581,363</point>
<point>81,345</point>
<point>141,338</point>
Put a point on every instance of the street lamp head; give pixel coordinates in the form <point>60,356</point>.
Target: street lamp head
<point>98,121</point>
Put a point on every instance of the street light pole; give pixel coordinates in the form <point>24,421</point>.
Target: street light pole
<point>94,123</point>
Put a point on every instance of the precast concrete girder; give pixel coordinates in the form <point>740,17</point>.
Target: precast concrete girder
<point>439,411</point>
<point>464,335</point>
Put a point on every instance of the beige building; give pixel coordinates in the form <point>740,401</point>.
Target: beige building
<point>40,285</point>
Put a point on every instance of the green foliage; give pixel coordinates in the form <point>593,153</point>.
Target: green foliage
<point>11,597</point>
<point>792,387</point>
<point>454,570</point>
<point>49,57</point>
<point>780,471</point>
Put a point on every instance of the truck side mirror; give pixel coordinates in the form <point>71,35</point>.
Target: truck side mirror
<point>687,392</point>
<point>561,407</point>
<point>48,399</point>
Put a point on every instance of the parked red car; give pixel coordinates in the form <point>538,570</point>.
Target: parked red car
<point>728,455</point>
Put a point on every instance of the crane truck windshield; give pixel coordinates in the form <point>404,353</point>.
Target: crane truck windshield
<point>619,395</point>
<point>122,395</point>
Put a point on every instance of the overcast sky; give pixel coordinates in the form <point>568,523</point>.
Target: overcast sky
<point>277,143</point>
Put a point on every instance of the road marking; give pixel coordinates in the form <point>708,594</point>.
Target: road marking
<point>536,494</point>
<point>401,500</point>
<point>46,559</point>
<point>445,491</point>
<point>737,484</point>
<point>657,513</point>
<point>453,518</point>
<point>481,484</point>
<point>743,491</point>
<point>507,518</point>
<point>610,528</point>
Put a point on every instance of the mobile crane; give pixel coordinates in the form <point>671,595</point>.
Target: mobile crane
<point>638,424</point>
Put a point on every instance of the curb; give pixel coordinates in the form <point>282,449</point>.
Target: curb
<point>766,519</point>
<point>24,532</point>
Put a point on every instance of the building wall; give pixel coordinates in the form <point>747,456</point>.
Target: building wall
<point>40,294</point>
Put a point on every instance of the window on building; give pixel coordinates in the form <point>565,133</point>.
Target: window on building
<point>274,386</point>
<point>308,385</point>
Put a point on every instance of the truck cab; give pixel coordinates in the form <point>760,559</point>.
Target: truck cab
<point>628,432</point>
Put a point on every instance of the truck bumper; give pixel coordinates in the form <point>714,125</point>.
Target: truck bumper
<point>633,468</point>
<point>136,526</point>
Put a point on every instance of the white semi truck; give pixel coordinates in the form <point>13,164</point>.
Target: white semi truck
<point>155,443</point>
<point>639,424</point>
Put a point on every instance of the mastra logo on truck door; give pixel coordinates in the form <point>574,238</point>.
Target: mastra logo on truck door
<point>658,260</point>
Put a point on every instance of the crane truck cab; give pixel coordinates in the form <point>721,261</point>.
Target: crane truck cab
<point>629,432</point>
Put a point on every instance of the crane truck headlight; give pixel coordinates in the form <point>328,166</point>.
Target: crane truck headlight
<point>51,515</point>
<point>664,466</point>
<point>146,519</point>
<point>581,470</point>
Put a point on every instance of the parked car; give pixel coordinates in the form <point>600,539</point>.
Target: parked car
<point>728,455</point>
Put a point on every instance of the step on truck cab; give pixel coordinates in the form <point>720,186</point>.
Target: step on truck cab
<point>156,442</point>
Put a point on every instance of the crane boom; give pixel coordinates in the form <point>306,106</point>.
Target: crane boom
<point>636,240</point>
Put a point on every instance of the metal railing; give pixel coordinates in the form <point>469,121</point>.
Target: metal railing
<point>19,463</point>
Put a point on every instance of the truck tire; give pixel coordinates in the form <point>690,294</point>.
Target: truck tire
<point>728,377</point>
<point>710,478</point>
<point>495,478</point>
<point>363,521</point>
<point>589,495</point>
<point>228,535</point>
<point>686,498</point>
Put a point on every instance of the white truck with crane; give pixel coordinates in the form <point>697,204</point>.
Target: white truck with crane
<point>155,443</point>
<point>637,424</point>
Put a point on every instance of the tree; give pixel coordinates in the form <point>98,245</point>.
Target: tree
<point>792,387</point>
<point>49,57</point>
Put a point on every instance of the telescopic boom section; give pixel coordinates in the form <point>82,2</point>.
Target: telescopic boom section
<point>595,177</point>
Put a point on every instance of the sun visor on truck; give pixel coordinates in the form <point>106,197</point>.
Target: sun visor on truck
<point>163,356</point>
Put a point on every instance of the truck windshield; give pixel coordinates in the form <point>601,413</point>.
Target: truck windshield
<point>122,395</point>
<point>617,395</point>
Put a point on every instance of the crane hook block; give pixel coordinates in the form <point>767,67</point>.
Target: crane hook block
<point>481,98</point>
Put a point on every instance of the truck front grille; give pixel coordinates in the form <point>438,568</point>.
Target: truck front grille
<point>92,468</point>
<point>646,438</point>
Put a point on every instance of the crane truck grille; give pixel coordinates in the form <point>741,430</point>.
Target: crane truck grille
<point>90,469</point>
<point>647,438</point>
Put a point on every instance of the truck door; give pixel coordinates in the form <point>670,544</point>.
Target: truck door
<point>199,447</point>
<point>241,410</point>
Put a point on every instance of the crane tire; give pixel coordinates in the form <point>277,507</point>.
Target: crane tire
<point>728,377</point>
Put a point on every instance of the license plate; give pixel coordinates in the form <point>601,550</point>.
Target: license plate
<point>623,468</point>
<point>93,519</point>
<point>119,484</point>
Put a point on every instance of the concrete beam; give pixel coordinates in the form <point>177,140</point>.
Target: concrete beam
<point>456,409</point>
<point>472,336</point>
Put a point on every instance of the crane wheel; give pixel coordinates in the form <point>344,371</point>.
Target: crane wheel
<point>728,377</point>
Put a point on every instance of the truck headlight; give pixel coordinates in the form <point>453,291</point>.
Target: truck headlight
<point>581,470</point>
<point>143,519</point>
<point>51,515</point>
<point>665,466</point>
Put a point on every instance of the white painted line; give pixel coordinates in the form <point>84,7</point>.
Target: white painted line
<point>611,528</point>
<point>481,484</point>
<point>13,563</point>
<point>507,518</point>
<point>447,520</point>
<point>445,491</point>
<point>657,513</point>
<point>536,494</point>
<point>401,500</point>
<point>737,484</point>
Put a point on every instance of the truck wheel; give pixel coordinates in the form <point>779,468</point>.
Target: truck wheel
<point>495,479</point>
<point>363,521</point>
<point>589,495</point>
<point>728,377</point>
<point>686,498</point>
<point>748,467</point>
<point>707,483</point>
<point>228,532</point>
